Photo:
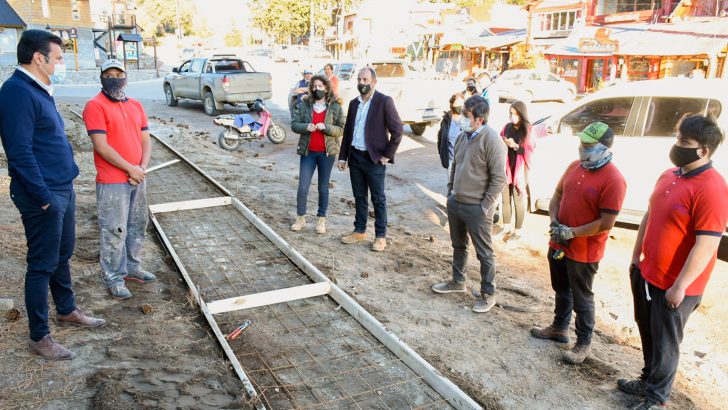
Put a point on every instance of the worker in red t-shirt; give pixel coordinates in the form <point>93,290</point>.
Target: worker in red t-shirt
<point>119,131</point>
<point>583,209</point>
<point>674,255</point>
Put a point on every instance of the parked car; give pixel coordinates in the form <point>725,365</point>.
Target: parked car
<point>533,85</point>
<point>643,116</point>
<point>420,101</point>
<point>220,80</point>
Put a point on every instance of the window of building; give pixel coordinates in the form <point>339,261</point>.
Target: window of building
<point>8,40</point>
<point>75,10</point>
<point>611,111</point>
<point>45,8</point>
<point>626,6</point>
<point>559,21</point>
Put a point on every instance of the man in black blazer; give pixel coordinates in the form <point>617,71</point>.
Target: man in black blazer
<point>372,134</point>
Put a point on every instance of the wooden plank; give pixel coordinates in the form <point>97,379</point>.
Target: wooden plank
<point>269,298</point>
<point>441,384</point>
<point>160,166</point>
<point>208,316</point>
<point>186,205</point>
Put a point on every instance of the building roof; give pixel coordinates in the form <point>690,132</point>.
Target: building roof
<point>129,37</point>
<point>8,16</point>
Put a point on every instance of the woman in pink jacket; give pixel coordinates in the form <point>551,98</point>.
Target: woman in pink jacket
<point>517,137</point>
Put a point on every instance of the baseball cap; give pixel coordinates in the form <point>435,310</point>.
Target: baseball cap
<point>597,132</point>
<point>307,71</point>
<point>112,63</point>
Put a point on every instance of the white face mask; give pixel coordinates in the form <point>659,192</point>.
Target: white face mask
<point>515,119</point>
<point>465,124</point>
<point>59,72</point>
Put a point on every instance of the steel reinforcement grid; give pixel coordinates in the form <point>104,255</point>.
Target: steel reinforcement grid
<point>310,345</point>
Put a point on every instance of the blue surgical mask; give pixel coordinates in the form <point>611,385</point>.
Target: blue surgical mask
<point>59,72</point>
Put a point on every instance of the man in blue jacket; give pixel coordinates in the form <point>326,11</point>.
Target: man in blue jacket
<point>42,169</point>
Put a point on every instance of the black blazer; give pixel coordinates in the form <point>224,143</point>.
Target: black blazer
<point>383,128</point>
<point>442,139</point>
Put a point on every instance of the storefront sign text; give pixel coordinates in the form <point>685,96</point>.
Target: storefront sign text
<point>601,43</point>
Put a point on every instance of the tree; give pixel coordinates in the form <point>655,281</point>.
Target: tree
<point>157,17</point>
<point>234,38</point>
<point>290,19</point>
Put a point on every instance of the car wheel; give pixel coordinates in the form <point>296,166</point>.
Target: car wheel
<point>419,128</point>
<point>169,96</point>
<point>209,103</point>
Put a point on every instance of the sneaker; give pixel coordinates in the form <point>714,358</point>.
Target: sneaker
<point>299,224</point>
<point>551,333</point>
<point>577,354</point>
<point>514,237</point>
<point>141,276</point>
<point>119,292</point>
<point>50,349</point>
<point>484,303</point>
<point>632,386</point>
<point>321,225</point>
<point>354,237</point>
<point>77,318</point>
<point>449,287</point>
<point>379,244</point>
<point>648,405</point>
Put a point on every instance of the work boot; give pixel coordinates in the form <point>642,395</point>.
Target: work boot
<point>632,386</point>
<point>50,349</point>
<point>449,287</point>
<point>496,230</point>
<point>354,237</point>
<point>484,303</point>
<point>141,276</point>
<point>119,292</point>
<point>321,225</point>
<point>648,405</point>
<point>77,318</point>
<point>561,336</point>
<point>577,354</point>
<point>379,244</point>
<point>299,224</point>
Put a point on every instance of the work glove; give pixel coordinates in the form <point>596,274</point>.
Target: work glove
<point>561,234</point>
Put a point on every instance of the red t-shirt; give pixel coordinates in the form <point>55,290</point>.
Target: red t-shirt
<point>586,194</point>
<point>681,207</point>
<point>334,85</point>
<point>317,143</point>
<point>123,123</point>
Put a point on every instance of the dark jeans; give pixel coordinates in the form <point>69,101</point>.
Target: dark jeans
<point>511,194</point>
<point>50,236</point>
<point>469,219</point>
<point>661,331</point>
<point>368,177</point>
<point>310,163</point>
<point>572,282</point>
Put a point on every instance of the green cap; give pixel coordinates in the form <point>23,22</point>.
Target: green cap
<point>597,132</point>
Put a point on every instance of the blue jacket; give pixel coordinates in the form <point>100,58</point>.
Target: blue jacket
<point>39,154</point>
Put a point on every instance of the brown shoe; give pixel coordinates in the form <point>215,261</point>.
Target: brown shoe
<point>79,319</point>
<point>577,354</point>
<point>550,333</point>
<point>379,244</point>
<point>50,349</point>
<point>354,237</point>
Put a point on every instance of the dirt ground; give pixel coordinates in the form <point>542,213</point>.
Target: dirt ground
<point>169,358</point>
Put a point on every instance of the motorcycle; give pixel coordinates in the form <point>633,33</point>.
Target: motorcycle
<point>243,127</point>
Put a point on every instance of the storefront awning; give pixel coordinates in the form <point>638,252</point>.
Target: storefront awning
<point>635,40</point>
<point>135,38</point>
<point>495,42</point>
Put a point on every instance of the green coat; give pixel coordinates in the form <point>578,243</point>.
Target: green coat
<point>334,121</point>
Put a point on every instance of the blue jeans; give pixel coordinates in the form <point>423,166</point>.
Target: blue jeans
<point>368,177</point>
<point>309,163</point>
<point>123,221</point>
<point>51,236</point>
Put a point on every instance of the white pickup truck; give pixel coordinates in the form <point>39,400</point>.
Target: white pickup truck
<point>420,100</point>
<point>216,81</point>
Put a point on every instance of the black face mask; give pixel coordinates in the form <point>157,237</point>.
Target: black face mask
<point>457,110</point>
<point>319,94</point>
<point>471,88</point>
<point>364,88</point>
<point>681,156</point>
<point>114,87</point>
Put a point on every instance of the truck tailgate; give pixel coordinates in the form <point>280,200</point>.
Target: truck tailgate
<point>250,83</point>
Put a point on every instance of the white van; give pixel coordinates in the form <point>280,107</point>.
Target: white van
<point>643,116</point>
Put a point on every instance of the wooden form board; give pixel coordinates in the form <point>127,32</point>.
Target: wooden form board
<point>269,298</point>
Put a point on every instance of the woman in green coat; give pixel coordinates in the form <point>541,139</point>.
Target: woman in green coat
<point>320,121</point>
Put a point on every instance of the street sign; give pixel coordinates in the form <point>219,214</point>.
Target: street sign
<point>73,33</point>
